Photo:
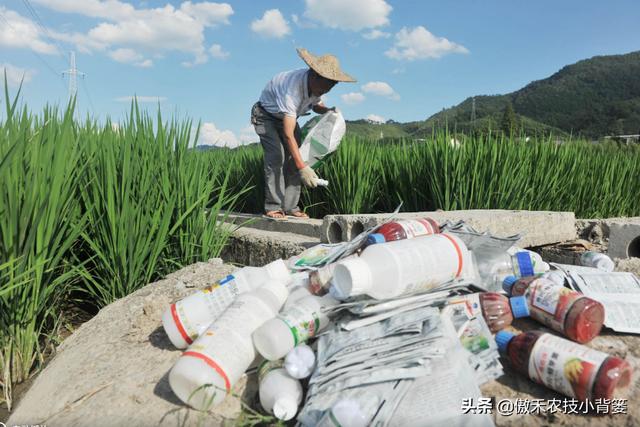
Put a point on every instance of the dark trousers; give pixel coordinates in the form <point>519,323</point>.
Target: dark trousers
<point>281,176</point>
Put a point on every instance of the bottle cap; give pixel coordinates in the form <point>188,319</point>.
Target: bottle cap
<point>351,277</point>
<point>285,408</point>
<point>375,238</point>
<point>519,306</point>
<point>278,270</point>
<point>524,263</point>
<point>508,282</point>
<point>300,361</point>
<point>503,338</point>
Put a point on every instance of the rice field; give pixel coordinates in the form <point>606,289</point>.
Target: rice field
<point>481,172</point>
<point>90,212</point>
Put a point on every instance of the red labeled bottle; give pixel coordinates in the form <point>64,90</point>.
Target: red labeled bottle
<point>564,310</point>
<point>403,229</point>
<point>499,311</point>
<point>572,369</point>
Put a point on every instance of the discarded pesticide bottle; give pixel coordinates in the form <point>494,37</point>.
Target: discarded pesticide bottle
<point>403,266</point>
<point>300,361</point>
<point>279,393</point>
<point>572,369</point>
<point>293,326</point>
<point>185,320</point>
<point>403,229</point>
<point>345,413</point>
<point>499,311</point>
<point>574,315</point>
<point>320,279</point>
<point>522,263</point>
<point>208,370</point>
<point>597,260</point>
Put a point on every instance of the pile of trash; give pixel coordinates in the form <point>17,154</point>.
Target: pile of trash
<point>399,326</point>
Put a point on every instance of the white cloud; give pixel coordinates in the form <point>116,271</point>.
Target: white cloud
<point>149,31</point>
<point>381,89</point>
<point>130,56</point>
<point>15,75</point>
<point>302,23</point>
<point>399,70</point>
<point>419,43</point>
<point>352,98</point>
<point>375,118</point>
<point>211,135</point>
<point>376,34</point>
<point>248,135</point>
<point>142,99</point>
<point>22,33</point>
<point>271,25</point>
<point>352,15</point>
<point>216,51</point>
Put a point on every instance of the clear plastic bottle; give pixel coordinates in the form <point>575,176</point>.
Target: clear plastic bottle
<point>403,267</point>
<point>403,229</point>
<point>208,370</point>
<point>300,362</point>
<point>345,413</point>
<point>572,369</point>
<point>597,260</point>
<point>574,315</point>
<point>520,263</point>
<point>499,311</point>
<point>279,393</point>
<point>185,320</point>
<point>291,327</point>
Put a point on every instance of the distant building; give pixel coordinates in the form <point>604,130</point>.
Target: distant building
<point>627,139</point>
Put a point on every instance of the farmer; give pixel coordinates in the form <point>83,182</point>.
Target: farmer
<point>286,97</point>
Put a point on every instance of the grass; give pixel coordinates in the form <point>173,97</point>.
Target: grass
<point>92,212</point>
<point>483,172</point>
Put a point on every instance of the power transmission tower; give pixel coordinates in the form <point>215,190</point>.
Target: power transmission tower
<point>73,76</point>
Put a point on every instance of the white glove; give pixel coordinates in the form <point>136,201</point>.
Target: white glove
<point>309,177</point>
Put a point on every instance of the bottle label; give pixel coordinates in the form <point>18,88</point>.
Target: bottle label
<point>549,303</point>
<point>267,366</point>
<point>565,366</point>
<point>303,320</point>
<point>415,228</point>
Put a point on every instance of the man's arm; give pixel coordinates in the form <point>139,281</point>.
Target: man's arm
<point>320,108</point>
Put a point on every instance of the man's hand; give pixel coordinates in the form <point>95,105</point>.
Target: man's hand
<point>309,177</point>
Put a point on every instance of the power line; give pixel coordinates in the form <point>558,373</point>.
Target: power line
<point>42,26</point>
<point>32,51</point>
<point>86,89</point>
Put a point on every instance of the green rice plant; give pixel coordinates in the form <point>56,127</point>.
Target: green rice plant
<point>153,204</point>
<point>40,166</point>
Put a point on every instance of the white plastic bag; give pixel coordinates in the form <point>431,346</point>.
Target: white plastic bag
<point>323,138</point>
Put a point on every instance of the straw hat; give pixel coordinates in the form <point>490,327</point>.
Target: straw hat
<point>327,66</point>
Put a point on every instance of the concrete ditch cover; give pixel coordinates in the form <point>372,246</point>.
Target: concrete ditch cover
<point>114,369</point>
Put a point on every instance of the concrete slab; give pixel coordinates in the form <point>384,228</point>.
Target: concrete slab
<point>307,227</point>
<point>537,227</point>
<point>624,238</point>
<point>254,247</point>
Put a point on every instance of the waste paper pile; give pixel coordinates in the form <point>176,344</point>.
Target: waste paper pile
<point>399,326</point>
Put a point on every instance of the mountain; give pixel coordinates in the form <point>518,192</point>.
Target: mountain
<point>592,98</point>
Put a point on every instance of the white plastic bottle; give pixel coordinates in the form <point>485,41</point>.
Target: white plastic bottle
<point>185,320</point>
<point>210,367</point>
<point>296,294</point>
<point>404,266</point>
<point>597,260</point>
<point>293,326</point>
<point>280,394</point>
<point>345,413</point>
<point>514,262</point>
<point>300,362</point>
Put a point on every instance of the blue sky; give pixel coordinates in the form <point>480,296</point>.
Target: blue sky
<point>209,61</point>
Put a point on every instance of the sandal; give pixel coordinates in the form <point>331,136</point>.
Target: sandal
<point>298,214</point>
<point>275,214</point>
